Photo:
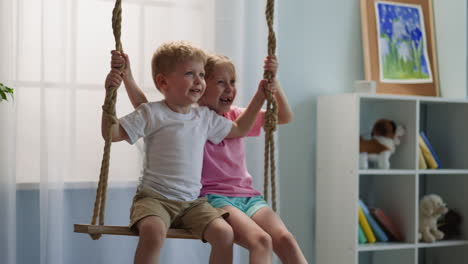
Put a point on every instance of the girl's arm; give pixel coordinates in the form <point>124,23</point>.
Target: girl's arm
<point>285,113</point>
<point>135,94</point>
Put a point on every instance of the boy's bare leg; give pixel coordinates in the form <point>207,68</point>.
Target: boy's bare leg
<point>219,234</point>
<point>152,235</point>
<point>250,236</point>
<point>284,243</point>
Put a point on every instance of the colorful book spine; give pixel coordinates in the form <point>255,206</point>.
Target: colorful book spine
<point>431,162</point>
<point>365,226</point>
<point>387,225</point>
<point>422,162</point>
<point>431,149</point>
<point>361,236</point>
<point>378,231</point>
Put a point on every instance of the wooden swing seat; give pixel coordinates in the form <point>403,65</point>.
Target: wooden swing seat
<point>126,231</point>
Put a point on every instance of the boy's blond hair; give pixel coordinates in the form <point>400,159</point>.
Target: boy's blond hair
<point>169,54</point>
<point>215,60</point>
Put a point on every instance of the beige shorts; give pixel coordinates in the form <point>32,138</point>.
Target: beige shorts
<point>193,216</point>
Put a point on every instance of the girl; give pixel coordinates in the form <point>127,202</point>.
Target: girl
<point>226,181</point>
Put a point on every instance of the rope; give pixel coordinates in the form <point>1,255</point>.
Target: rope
<point>271,115</point>
<point>109,113</point>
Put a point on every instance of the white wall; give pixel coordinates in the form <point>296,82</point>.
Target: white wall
<point>451,38</point>
<point>320,52</point>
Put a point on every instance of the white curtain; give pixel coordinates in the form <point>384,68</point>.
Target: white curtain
<point>55,53</point>
<point>7,183</point>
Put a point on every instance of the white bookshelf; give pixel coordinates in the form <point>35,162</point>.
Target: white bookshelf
<point>340,183</point>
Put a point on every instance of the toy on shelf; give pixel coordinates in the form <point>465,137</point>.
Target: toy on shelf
<point>431,208</point>
<point>450,224</point>
<point>385,136</point>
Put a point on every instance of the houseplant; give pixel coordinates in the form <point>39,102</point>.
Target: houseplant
<point>5,91</point>
<point>7,133</point>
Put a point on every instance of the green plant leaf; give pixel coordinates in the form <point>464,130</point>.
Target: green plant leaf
<point>2,95</point>
<point>5,91</point>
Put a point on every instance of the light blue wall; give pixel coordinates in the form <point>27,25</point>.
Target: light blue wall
<point>320,52</point>
<point>77,248</point>
<point>451,33</point>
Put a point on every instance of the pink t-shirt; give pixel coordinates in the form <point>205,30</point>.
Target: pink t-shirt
<point>224,168</point>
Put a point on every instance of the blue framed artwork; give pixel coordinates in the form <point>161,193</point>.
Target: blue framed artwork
<point>402,43</point>
<point>398,42</point>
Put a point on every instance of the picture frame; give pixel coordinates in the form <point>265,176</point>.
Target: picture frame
<point>399,46</point>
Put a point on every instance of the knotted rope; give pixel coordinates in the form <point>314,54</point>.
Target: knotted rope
<point>109,113</point>
<point>271,115</point>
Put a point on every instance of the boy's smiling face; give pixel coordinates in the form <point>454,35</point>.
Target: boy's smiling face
<point>221,89</point>
<point>185,84</point>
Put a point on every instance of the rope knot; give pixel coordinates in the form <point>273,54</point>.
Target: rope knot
<point>95,236</point>
<point>271,120</point>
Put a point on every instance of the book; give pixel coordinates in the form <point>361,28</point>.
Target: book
<point>361,236</point>
<point>422,163</point>
<point>431,149</point>
<point>387,225</point>
<point>431,162</point>
<point>365,226</point>
<point>378,231</point>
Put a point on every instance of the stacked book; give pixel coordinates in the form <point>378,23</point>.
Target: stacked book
<point>375,226</point>
<point>428,158</point>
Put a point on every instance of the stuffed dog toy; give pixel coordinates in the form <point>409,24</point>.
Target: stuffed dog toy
<point>450,224</point>
<point>431,207</point>
<point>385,137</point>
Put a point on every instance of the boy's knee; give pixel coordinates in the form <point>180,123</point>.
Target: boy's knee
<point>152,231</point>
<point>219,230</point>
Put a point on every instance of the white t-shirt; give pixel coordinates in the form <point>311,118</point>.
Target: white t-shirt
<point>174,144</point>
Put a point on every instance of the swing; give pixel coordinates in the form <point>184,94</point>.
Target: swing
<point>271,116</point>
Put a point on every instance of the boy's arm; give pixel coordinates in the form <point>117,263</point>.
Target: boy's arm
<point>118,133</point>
<point>113,79</point>
<point>245,121</point>
<point>135,94</point>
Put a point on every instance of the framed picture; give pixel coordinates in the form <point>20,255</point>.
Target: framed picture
<point>399,46</point>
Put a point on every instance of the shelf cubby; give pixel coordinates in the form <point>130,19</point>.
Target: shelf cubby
<point>402,112</point>
<point>395,195</point>
<point>443,255</point>
<point>400,256</point>
<point>437,118</point>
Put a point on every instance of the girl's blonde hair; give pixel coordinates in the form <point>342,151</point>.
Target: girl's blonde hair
<point>215,60</point>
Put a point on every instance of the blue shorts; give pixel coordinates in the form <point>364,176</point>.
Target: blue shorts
<point>248,205</point>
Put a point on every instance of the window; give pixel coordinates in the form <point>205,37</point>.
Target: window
<point>62,56</point>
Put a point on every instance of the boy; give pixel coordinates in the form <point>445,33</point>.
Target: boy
<point>175,134</point>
